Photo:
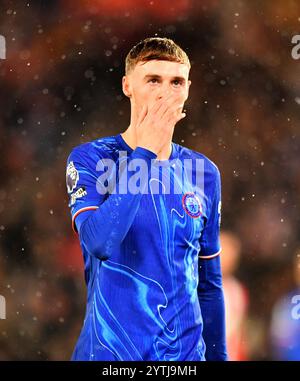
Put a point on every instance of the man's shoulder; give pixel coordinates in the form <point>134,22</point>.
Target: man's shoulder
<point>188,153</point>
<point>104,147</point>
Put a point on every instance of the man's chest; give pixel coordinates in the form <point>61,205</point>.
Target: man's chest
<point>173,207</point>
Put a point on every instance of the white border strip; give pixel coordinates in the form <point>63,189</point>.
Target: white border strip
<point>80,211</point>
<point>210,256</point>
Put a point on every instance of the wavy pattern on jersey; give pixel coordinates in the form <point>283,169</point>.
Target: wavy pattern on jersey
<point>162,347</point>
<point>147,309</point>
<point>114,335</point>
<point>168,224</point>
<point>162,311</point>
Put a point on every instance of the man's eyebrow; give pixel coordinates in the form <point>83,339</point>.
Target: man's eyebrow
<point>159,76</point>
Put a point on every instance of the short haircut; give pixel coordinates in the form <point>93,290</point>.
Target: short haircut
<point>155,48</point>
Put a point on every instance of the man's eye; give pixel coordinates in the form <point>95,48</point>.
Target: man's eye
<point>176,82</point>
<point>153,79</point>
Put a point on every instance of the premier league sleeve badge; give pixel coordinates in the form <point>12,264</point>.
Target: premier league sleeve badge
<point>72,177</point>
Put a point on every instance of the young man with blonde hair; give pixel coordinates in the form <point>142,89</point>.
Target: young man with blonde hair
<point>147,214</point>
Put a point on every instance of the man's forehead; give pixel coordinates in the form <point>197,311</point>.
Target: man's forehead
<point>162,68</point>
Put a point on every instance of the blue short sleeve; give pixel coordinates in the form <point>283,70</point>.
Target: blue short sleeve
<point>81,182</point>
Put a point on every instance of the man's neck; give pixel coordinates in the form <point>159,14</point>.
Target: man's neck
<point>130,139</point>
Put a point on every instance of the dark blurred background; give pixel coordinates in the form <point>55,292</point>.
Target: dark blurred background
<point>60,85</point>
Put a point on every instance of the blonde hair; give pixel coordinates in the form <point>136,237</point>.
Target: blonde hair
<point>155,48</point>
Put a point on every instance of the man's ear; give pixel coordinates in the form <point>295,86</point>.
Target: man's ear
<point>126,86</point>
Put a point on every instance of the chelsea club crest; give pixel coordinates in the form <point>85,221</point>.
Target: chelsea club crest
<point>191,204</point>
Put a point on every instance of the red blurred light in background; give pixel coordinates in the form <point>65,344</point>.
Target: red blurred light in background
<point>163,10</point>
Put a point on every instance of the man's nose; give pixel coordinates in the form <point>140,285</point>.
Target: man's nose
<point>162,94</point>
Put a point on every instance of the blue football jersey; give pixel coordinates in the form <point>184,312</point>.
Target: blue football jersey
<point>142,301</point>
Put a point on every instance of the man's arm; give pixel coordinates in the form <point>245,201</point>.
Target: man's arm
<point>210,291</point>
<point>102,231</point>
<point>211,299</point>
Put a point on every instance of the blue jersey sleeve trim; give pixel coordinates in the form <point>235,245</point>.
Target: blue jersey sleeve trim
<point>80,211</point>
